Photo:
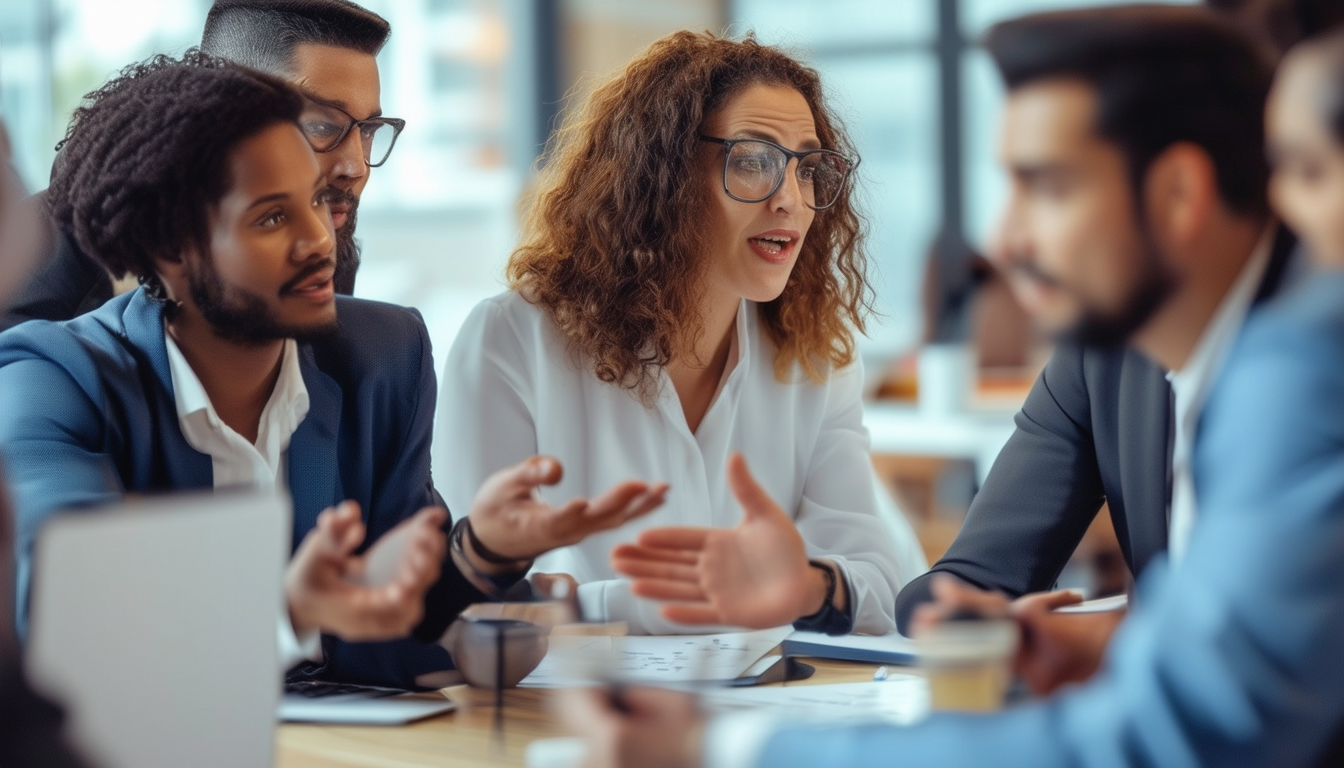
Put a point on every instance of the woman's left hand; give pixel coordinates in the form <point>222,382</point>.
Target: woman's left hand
<point>755,575</point>
<point>512,520</point>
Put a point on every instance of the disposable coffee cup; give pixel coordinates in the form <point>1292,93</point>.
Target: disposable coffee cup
<point>968,664</point>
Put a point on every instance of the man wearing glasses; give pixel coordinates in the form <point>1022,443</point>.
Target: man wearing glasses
<point>328,50</point>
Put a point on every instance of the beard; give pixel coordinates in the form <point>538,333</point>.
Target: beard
<point>1154,286</point>
<point>347,250</point>
<point>243,317</point>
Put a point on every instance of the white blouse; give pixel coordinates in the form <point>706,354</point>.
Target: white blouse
<point>512,388</point>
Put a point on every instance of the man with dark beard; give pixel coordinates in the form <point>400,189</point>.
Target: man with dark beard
<point>236,365</point>
<point>1104,139</point>
<point>325,48</point>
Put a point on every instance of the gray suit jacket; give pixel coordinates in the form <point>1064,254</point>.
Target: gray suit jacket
<point>1095,428</point>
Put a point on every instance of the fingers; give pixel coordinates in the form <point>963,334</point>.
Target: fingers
<point>532,472</point>
<point>344,528</point>
<point>431,517</point>
<point>753,498</point>
<point>675,538</point>
<point>421,564</point>
<point>578,520</point>
<point>952,596</point>
<point>691,613</point>
<point>617,498</point>
<point>636,552</point>
<point>670,590</point>
<point>956,595</point>
<point>1044,602</point>
<point>385,613</point>
<point>640,568</point>
<point>516,482</point>
<point>643,505</point>
<point>628,500</point>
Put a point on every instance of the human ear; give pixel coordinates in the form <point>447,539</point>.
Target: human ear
<point>1180,194</point>
<point>174,274</point>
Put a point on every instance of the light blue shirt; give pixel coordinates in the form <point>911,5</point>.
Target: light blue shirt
<point>1237,657</point>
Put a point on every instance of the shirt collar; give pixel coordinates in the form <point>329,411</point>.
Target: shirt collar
<point>286,409</point>
<point>1218,335</point>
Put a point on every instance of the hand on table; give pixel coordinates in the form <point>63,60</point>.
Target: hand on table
<point>658,729</point>
<point>1062,648</point>
<point>511,520</point>
<point>375,596</point>
<point>755,575</point>
<point>1055,648</point>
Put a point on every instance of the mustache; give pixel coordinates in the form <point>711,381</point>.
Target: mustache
<point>306,273</point>
<point>334,195</point>
<point>1029,270</point>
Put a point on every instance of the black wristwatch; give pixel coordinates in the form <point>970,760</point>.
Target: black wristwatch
<point>831,584</point>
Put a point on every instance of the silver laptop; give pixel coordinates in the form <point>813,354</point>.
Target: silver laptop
<point>155,624</point>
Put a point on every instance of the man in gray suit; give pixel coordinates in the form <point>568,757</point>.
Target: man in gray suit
<point>1145,311</point>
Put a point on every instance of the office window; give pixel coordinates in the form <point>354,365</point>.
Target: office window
<point>436,221</point>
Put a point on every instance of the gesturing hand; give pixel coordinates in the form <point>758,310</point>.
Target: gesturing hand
<point>511,520</point>
<point>377,596</point>
<point>952,596</point>
<point>755,575</point>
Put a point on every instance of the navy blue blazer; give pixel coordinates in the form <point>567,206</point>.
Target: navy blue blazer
<point>87,414</point>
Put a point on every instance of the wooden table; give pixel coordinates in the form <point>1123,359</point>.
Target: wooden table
<point>465,737</point>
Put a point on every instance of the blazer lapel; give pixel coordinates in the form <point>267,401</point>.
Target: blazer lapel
<point>183,467</point>
<point>1145,456</point>
<point>314,472</point>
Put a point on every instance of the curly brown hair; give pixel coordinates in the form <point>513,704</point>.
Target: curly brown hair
<point>612,247</point>
<point>146,157</point>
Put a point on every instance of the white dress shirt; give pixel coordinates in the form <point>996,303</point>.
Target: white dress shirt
<point>1190,388</point>
<point>512,388</point>
<point>237,462</point>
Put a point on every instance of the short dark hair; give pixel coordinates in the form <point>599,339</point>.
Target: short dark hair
<point>262,34</point>
<point>147,155</point>
<point>1287,22</point>
<point>1162,75</point>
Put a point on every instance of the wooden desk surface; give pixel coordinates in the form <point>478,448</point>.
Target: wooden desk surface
<point>465,737</point>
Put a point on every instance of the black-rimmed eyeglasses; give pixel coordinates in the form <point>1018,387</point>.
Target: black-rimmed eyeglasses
<point>327,125</point>
<point>753,171</point>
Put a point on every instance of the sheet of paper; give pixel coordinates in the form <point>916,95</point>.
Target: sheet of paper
<point>900,699</point>
<point>652,659</point>
<point>1100,605</point>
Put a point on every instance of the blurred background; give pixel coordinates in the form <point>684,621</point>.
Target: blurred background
<point>480,84</point>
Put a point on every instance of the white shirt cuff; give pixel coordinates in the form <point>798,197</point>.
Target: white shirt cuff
<point>736,740</point>
<point>295,649</point>
<point>593,601</point>
<point>612,600</point>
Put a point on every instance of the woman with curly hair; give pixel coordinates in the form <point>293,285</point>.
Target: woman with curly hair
<point>685,298</point>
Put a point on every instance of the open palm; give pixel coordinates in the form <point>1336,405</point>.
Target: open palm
<point>512,520</point>
<point>754,575</point>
